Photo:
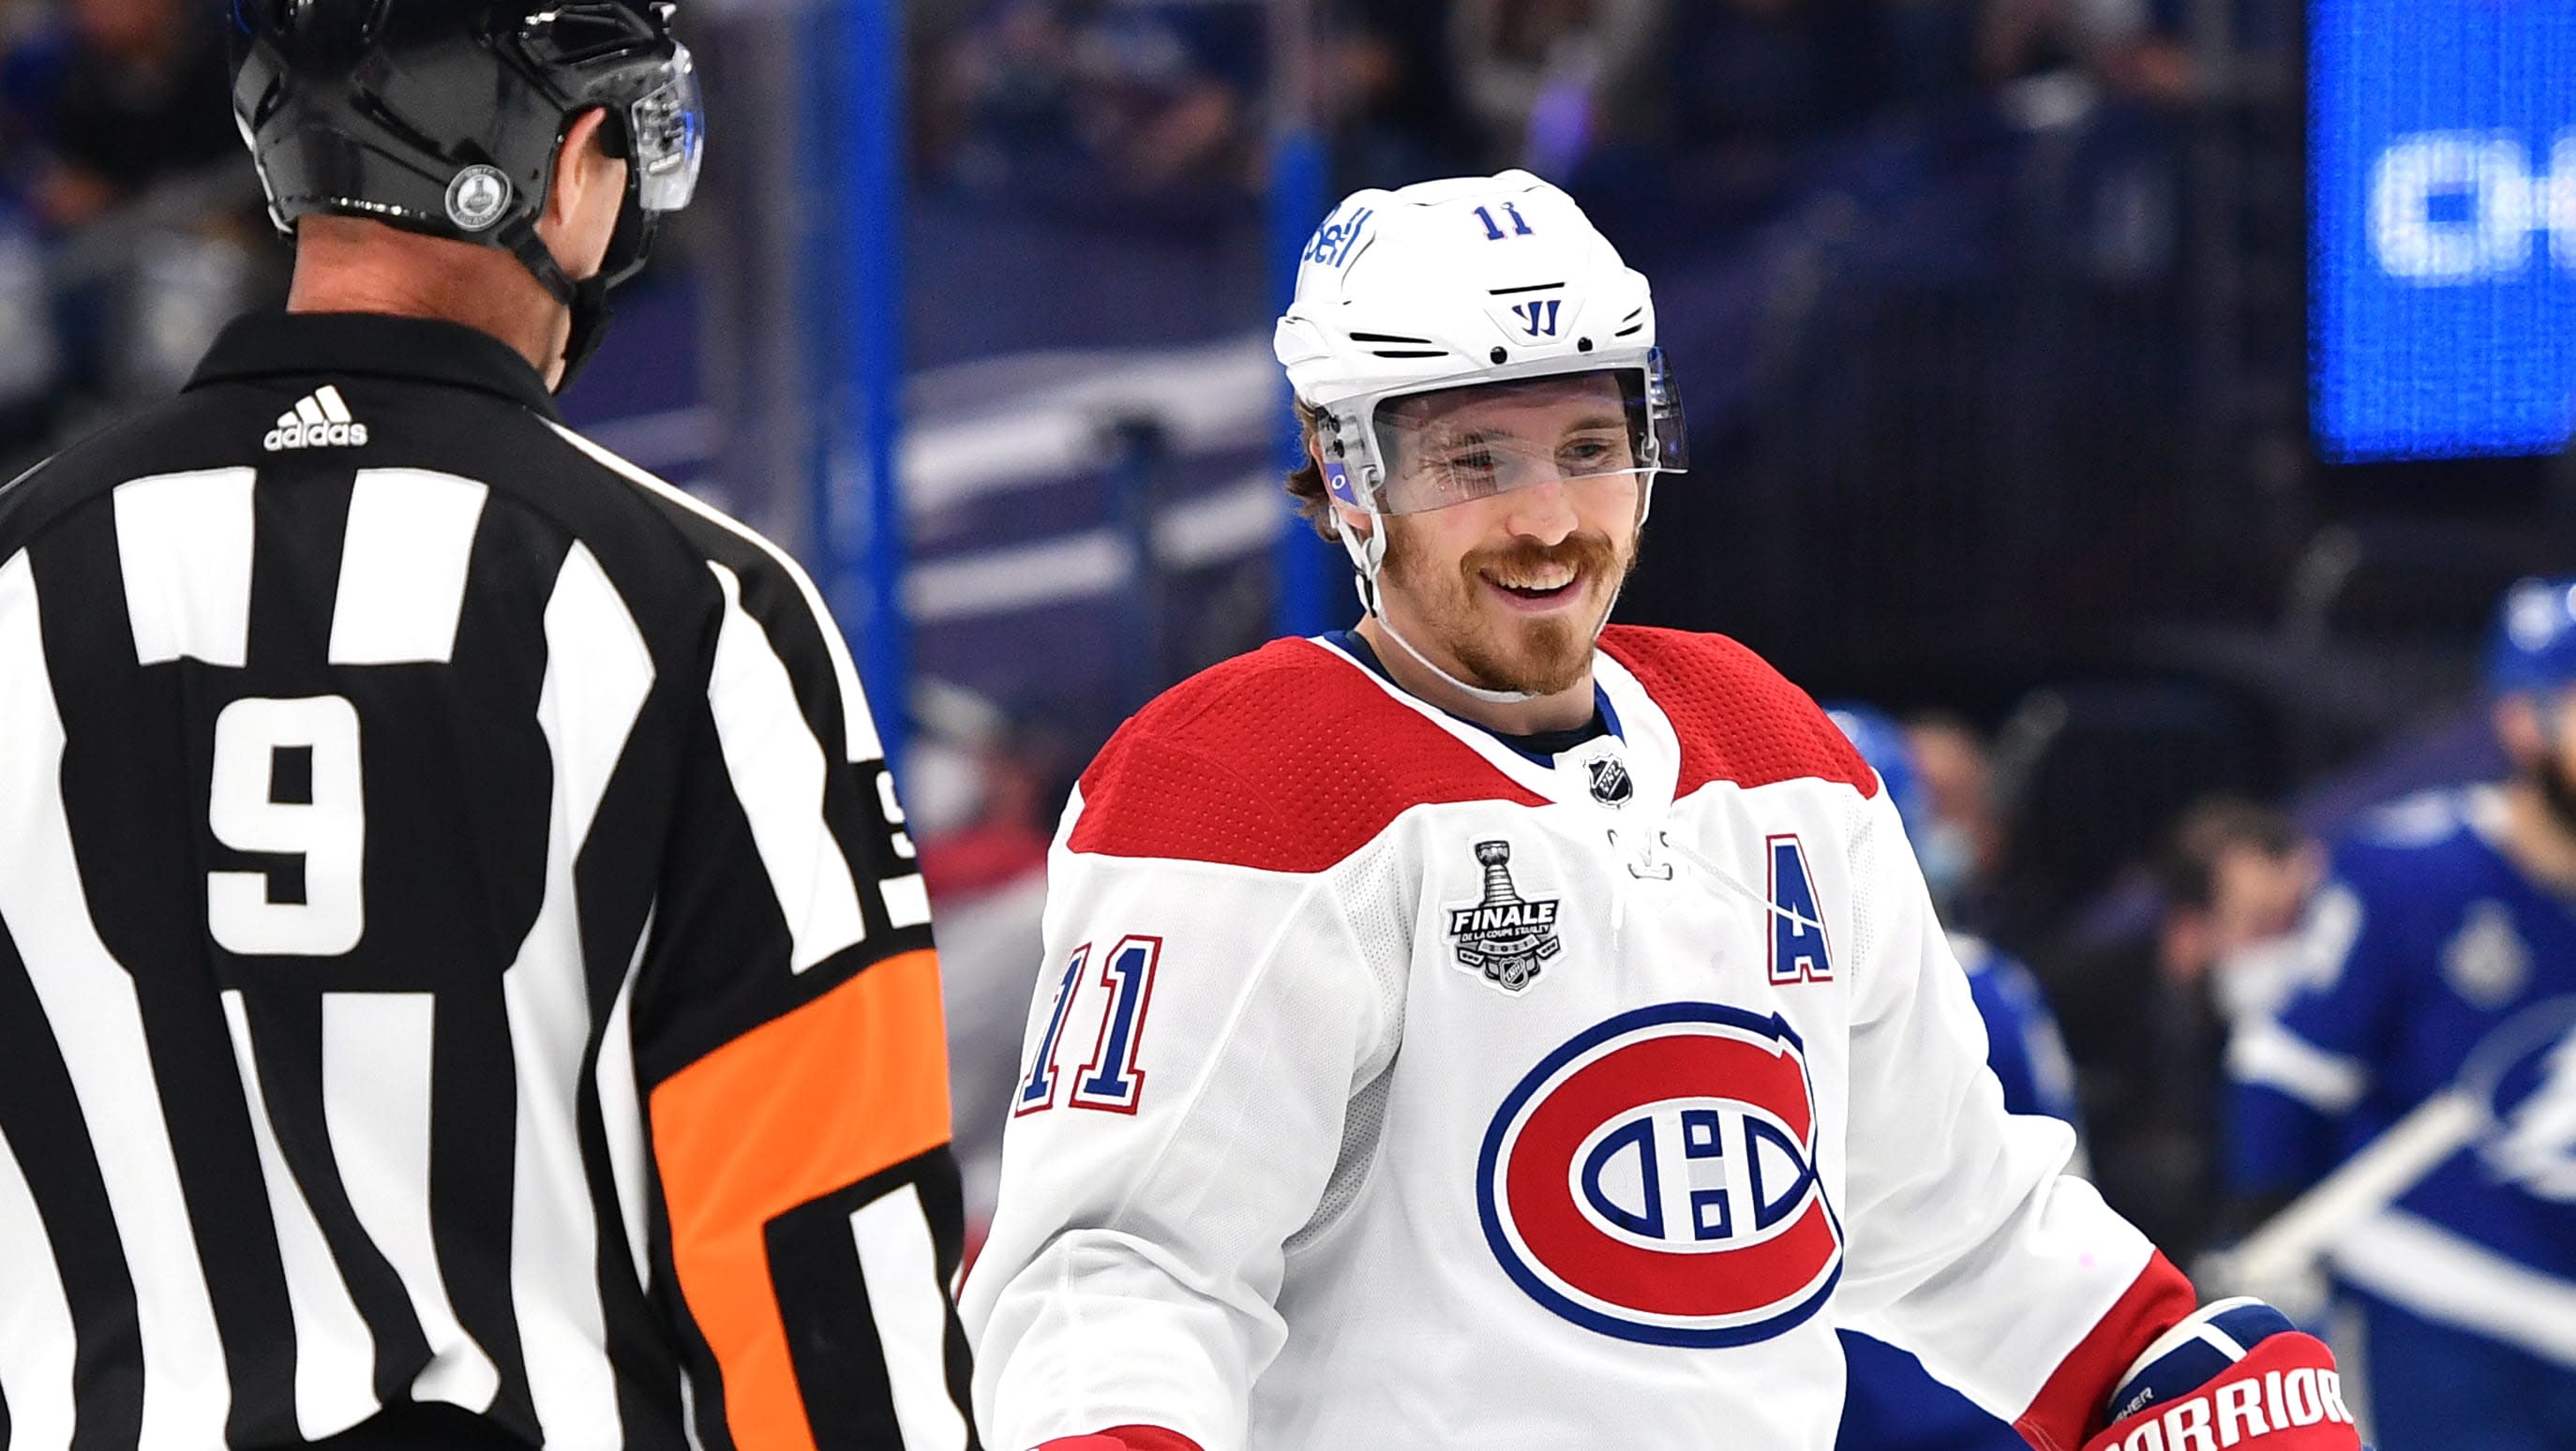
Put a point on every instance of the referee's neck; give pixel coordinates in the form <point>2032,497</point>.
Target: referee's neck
<point>350,264</point>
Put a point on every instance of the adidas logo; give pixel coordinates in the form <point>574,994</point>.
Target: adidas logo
<point>320,420</point>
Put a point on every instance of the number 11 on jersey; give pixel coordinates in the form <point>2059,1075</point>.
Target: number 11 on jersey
<point>1109,1081</point>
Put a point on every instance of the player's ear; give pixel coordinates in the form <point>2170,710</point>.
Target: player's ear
<point>1357,523</point>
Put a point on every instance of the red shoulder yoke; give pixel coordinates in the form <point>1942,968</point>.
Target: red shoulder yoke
<point>1739,720</point>
<point>1288,759</point>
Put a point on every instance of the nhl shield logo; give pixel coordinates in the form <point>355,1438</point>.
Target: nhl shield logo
<point>1505,936</point>
<point>1610,783</point>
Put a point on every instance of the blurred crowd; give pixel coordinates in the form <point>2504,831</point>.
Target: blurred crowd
<point>1111,103</point>
<point>130,221</point>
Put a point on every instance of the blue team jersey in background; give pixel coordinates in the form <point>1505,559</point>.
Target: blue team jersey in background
<point>2426,942</point>
<point>1891,1403</point>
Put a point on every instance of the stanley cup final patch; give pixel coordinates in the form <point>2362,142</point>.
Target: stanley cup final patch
<point>1505,936</point>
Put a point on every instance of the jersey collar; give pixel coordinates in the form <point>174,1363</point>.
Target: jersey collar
<point>1634,728</point>
<point>376,344</point>
<point>1539,749</point>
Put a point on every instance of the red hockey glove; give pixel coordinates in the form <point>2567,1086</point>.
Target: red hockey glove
<point>1124,1438</point>
<point>2236,1373</point>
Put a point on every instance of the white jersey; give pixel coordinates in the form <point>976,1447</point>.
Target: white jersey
<point>1388,1086</point>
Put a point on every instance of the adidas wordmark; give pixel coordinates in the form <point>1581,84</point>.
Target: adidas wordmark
<point>320,419</point>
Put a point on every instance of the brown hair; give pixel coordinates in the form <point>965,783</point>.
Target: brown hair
<point>2210,829</point>
<point>1306,481</point>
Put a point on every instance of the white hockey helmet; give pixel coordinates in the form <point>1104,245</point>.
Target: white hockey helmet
<point>1465,283</point>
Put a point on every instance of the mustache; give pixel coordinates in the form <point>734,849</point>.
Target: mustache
<point>1591,552</point>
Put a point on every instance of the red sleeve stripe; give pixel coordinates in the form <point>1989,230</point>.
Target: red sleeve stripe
<point>1123,1438</point>
<point>1151,1438</point>
<point>2071,1406</point>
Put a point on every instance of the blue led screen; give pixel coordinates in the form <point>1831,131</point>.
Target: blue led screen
<point>2442,175</point>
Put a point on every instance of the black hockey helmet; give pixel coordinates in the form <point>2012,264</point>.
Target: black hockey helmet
<point>444,116</point>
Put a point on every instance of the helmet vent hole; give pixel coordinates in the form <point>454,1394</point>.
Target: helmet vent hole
<point>1500,355</point>
<point>1583,345</point>
<point>1629,330</point>
<point>1389,338</point>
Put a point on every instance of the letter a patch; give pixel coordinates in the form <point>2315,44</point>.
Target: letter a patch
<point>1799,952</point>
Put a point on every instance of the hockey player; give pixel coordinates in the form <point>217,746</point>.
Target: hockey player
<point>464,985</point>
<point>2445,941</point>
<point>1891,1403</point>
<point>1478,1029</point>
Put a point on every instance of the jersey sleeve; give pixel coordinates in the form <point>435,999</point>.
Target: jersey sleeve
<point>2294,1074</point>
<point>788,1053</point>
<point>1969,1243</point>
<point>1198,1032</point>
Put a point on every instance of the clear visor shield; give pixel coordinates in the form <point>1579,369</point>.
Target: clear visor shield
<point>1449,446</point>
<point>669,127</point>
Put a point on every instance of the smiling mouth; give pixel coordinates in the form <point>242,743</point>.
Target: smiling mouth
<point>1541,587</point>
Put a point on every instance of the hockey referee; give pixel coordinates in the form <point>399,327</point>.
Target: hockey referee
<point>464,982</point>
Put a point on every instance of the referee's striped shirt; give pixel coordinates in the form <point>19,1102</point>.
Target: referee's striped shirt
<point>463,978</point>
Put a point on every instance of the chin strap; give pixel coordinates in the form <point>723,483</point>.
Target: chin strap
<point>1490,697</point>
<point>587,299</point>
<point>590,318</point>
<point>1368,556</point>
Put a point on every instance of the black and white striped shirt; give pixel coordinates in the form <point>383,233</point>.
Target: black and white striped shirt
<point>462,972</point>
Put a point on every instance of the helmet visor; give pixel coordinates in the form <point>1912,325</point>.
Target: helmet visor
<point>668,125</point>
<point>1452,445</point>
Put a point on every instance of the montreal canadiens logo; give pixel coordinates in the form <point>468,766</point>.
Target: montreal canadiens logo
<point>1656,1179</point>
